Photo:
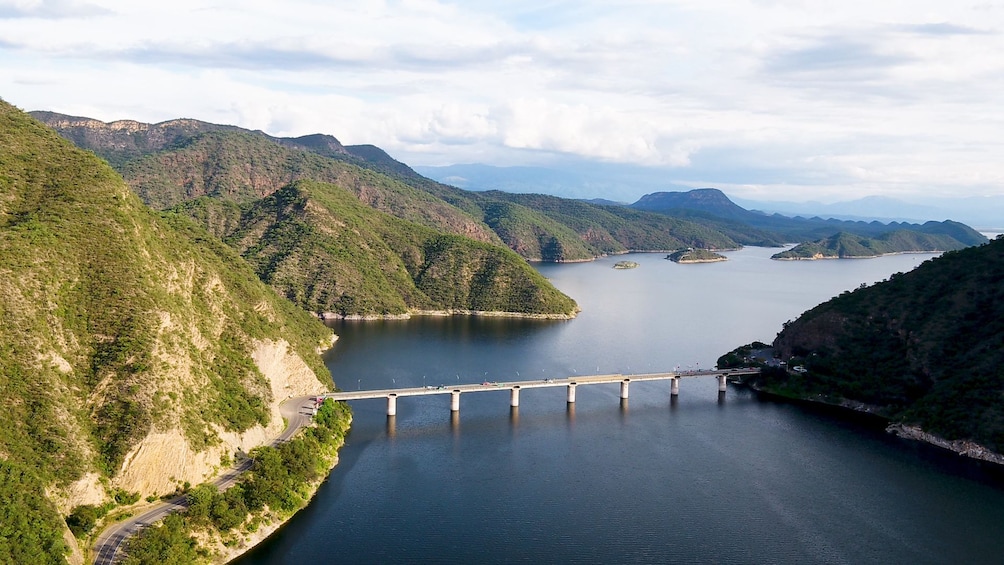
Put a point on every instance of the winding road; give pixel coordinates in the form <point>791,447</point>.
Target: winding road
<point>296,411</point>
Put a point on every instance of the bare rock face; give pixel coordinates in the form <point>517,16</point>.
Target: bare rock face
<point>126,137</point>
<point>164,459</point>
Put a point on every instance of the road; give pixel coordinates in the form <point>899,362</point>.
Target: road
<point>296,411</point>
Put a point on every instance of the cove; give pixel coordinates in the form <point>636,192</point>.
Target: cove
<point>653,480</point>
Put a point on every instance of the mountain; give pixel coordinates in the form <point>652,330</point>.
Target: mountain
<point>190,160</point>
<point>708,200</point>
<point>320,247</point>
<point>178,160</point>
<point>599,230</point>
<point>242,166</point>
<point>587,180</point>
<point>318,243</point>
<point>137,352</point>
<point>572,178</point>
<point>985,212</point>
<point>924,348</point>
<point>712,204</point>
<point>869,208</point>
<point>846,246</point>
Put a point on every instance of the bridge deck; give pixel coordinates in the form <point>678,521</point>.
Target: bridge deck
<point>542,383</point>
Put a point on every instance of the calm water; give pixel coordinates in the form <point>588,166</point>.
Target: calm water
<point>704,478</point>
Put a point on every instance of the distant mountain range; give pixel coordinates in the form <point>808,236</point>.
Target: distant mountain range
<point>874,238</point>
<point>587,180</point>
<point>176,163</point>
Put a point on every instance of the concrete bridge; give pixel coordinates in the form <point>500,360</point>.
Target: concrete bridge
<point>514,388</point>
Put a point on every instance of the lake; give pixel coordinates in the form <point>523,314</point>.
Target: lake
<point>700,478</point>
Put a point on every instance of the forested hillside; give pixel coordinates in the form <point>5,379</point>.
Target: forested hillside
<point>137,352</point>
<point>845,246</point>
<point>240,165</point>
<point>316,244</point>
<point>719,211</point>
<point>924,348</point>
<point>243,167</point>
<point>355,242</point>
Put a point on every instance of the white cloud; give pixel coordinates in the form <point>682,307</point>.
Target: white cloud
<point>48,9</point>
<point>867,97</point>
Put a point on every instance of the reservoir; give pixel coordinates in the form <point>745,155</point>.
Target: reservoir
<point>702,478</point>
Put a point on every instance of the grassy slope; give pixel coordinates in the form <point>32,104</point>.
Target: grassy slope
<point>193,159</point>
<point>926,346</point>
<point>243,167</point>
<point>844,245</point>
<point>319,246</point>
<point>548,228</point>
<point>106,305</point>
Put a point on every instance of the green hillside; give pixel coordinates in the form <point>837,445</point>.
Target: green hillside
<point>748,227</point>
<point>118,322</point>
<point>243,166</point>
<point>846,246</point>
<point>316,244</point>
<point>173,162</point>
<point>603,230</point>
<point>924,348</point>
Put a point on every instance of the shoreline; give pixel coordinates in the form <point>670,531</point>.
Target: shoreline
<point>697,261</point>
<point>821,257</point>
<point>960,447</point>
<point>325,316</point>
<point>228,554</point>
<point>627,252</point>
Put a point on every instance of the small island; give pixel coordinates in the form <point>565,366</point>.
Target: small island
<point>695,256</point>
<point>625,265</point>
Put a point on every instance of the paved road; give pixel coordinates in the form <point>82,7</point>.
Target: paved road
<point>296,411</point>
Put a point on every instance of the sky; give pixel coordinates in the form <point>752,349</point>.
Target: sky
<point>770,99</point>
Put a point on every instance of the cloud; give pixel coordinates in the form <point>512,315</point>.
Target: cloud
<point>858,94</point>
<point>835,56</point>
<point>49,9</point>
<point>940,28</point>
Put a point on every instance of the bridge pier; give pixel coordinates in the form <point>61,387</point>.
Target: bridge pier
<point>674,388</point>
<point>514,397</point>
<point>392,404</point>
<point>571,393</point>
<point>624,388</point>
<point>721,383</point>
<point>455,401</point>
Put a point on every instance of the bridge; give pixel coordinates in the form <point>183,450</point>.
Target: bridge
<point>297,412</point>
<point>514,388</point>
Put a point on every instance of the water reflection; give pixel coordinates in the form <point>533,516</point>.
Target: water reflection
<point>592,484</point>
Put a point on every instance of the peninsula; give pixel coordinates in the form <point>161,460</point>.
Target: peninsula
<point>921,349</point>
<point>850,246</point>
